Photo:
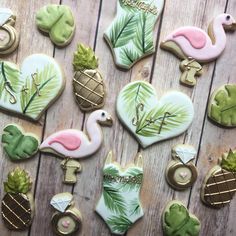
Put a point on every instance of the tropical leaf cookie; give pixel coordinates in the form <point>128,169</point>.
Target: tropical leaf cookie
<point>17,144</point>
<point>58,21</point>
<point>222,106</point>
<point>177,220</point>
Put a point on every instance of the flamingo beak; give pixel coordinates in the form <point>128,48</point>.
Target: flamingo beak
<point>233,27</point>
<point>108,121</point>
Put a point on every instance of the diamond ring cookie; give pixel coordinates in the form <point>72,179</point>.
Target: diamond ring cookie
<point>195,46</point>
<point>72,144</point>
<point>176,220</point>
<point>119,205</point>
<point>89,88</point>
<point>58,22</point>
<point>67,220</point>
<point>130,36</point>
<point>222,106</point>
<point>18,203</point>
<point>150,119</point>
<point>17,144</point>
<point>9,37</point>
<point>219,185</point>
<point>28,91</point>
<point>181,173</point>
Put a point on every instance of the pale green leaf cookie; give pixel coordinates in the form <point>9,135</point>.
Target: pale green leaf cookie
<point>17,144</point>
<point>58,21</point>
<point>222,106</point>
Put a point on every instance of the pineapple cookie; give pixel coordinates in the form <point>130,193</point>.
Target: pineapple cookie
<point>89,88</point>
<point>17,204</point>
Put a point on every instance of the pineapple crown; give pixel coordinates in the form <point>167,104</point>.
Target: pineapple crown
<point>84,58</point>
<point>18,181</point>
<point>229,163</point>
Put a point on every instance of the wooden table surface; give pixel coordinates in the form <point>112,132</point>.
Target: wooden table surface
<point>162,70</point>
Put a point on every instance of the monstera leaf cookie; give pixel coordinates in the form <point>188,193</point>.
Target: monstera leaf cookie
<point>130,36</point>
<point>58,22</point>
<point>222,106</point>
<point>177,220</point>
<point>30,90</point>
<point>151,120</point>
<point>17,144</point>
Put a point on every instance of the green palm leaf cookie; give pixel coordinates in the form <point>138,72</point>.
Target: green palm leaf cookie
<point>17,144</point>
<point>130,36</point>
<point>222,106</point>
<point>178,221</point>
<point>58,21</point>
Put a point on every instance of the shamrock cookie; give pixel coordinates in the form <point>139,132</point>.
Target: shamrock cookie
<point>17,204</point>
<point>119,205</point>
<point>219,185</point>
<point>195,46</point>
<point>30,90</point>
<point>130,36</point>
<point>150,120</point>
<point>89,88</point>
<point>67,220</point>
<point>58,22</point>
<point>72,143</point>
<point>9,37</point>
<point>177,220</point>
<point>222,106</point>
<point>17,144</point>
<point>181,173</point>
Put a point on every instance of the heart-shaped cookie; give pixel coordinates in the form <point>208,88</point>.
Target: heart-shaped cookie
<point>29,91</point>
<point>150,120</point>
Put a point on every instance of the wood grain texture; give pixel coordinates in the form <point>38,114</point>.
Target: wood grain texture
<point>161,69</point>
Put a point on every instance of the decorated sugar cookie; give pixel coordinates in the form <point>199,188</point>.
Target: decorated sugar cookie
<point>72,143</point>
<point>177,220</point>
<point>89,88</point>
<point>181,173</point>
<point>151,120</point>
<point>195,46</point>
<point>219,185</point>
<point>222,106</point>
<point>67,220</point>
<point>17,144</point>
<point>9,37</point>
<point>30,90</point>
<point>130,36</point>
<point>17,204</point>
<point>119,205</point>
<point>58,22</point>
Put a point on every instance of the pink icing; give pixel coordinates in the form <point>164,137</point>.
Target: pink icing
<point>68,140</point>
<point>66,223</point>
<point>195,37</point>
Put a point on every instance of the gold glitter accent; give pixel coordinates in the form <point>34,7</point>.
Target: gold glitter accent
<point>124,179</point>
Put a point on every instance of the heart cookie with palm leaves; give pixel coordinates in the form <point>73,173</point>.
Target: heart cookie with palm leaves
<point>29,91</point>
<point>150,120</point>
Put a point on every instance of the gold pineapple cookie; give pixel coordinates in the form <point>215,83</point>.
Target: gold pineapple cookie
<point>181,172</point>
<point>89,88</point>
<point>219,185</point>
<point>17,204</point>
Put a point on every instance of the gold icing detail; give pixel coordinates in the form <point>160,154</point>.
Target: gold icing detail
<point>124,179</point>
<point>37,84</point>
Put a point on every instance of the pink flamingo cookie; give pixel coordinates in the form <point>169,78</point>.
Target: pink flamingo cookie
<point>195,46</point>
<point>72,143</point>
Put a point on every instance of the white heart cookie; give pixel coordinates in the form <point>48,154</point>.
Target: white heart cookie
<point>29,91</point>
<point>150,120</point>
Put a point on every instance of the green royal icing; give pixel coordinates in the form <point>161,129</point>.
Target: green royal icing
<point>58,21</point>
<point>229,163</point>
<point>177,221</point>
<point>17,145</point>
<point>222,106</point>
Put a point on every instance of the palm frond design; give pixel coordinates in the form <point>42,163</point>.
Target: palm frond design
<point>153,123</point>
<point>114,200</point>
<point>119,224</point>
<point>110,170</point>
<point>143,39</point>
<point>122,30</point>
<point>134,172</point>
<point>39,93</point>
<point>134,207</point>
<point>128,55</point>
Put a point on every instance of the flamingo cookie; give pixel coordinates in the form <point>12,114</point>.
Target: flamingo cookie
<point>72,143</point>
<point>195,46</point>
